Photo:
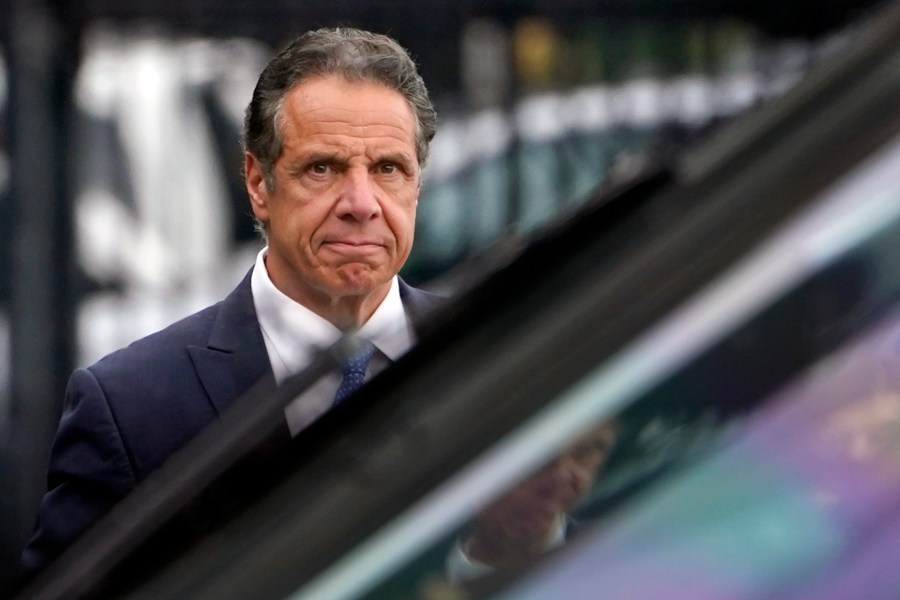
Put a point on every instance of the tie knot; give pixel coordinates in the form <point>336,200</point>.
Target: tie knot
<point>360,360</point>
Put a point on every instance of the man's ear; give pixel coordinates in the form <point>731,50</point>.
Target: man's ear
<point>256,187</point>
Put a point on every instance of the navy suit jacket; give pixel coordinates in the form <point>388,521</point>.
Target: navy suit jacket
<point>126,414</point>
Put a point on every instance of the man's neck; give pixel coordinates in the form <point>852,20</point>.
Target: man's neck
<point>350,313</point>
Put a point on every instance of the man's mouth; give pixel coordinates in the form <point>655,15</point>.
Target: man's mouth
<point>355,247</point>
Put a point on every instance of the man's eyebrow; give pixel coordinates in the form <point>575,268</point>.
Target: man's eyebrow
<point>321,157</point>
<point>401,158</point>
<point>302,162</point>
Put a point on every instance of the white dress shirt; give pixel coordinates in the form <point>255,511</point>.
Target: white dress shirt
<point>293,334</point>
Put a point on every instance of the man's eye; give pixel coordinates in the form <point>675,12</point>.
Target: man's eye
<point>388,168</point>
<point>318,168</point>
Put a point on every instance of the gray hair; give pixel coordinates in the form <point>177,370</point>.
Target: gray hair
<point>351,53</point>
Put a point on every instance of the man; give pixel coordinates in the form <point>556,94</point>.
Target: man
<point>531,517</point>
<point>507,536</point>
<point>336,135</point>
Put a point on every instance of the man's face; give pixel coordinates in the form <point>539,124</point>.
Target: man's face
<point>341,216</point>
<point>532,507</point>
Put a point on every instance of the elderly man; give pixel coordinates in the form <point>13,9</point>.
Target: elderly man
<point>336,135</point>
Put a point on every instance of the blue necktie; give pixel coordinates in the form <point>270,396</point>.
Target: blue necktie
<point>354,372</point>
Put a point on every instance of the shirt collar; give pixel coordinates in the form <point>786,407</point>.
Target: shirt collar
<point>294,333</point>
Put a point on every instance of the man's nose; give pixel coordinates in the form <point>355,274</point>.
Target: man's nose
<point>357,199</point>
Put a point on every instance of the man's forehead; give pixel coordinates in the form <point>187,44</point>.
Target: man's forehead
<point>333,93</point>
<point>338,138</point>
<point>361,121</point>
<point>337,107</point>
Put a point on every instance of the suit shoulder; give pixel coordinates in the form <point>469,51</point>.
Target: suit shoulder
<point>194,329</point>
<point>418,299</point>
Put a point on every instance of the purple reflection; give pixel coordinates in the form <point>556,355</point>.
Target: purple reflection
<point>800,502</point>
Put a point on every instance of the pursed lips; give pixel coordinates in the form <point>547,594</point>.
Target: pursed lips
<point>354,246</point>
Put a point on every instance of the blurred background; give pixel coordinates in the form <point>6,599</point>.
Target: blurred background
<point>121,201</point>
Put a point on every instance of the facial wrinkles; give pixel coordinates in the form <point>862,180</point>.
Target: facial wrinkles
<point>341,224</point>
<point>353,150</point>
<point>357,121</point>
<point>347,156</point>
<point>365,146</point>
<point>325,115</point>
<point>355,146</point>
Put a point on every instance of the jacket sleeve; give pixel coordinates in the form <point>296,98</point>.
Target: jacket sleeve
<point>89,472</point>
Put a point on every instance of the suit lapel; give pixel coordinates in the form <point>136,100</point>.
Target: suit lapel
<point>418,304</point>
<point>235,357</point>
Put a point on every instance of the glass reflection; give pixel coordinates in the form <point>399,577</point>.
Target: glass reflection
<point>519,527</point>
<point>797,501</point>
<point>533,516</point>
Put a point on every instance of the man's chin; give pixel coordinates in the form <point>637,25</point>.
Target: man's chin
<point>361,282</point>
